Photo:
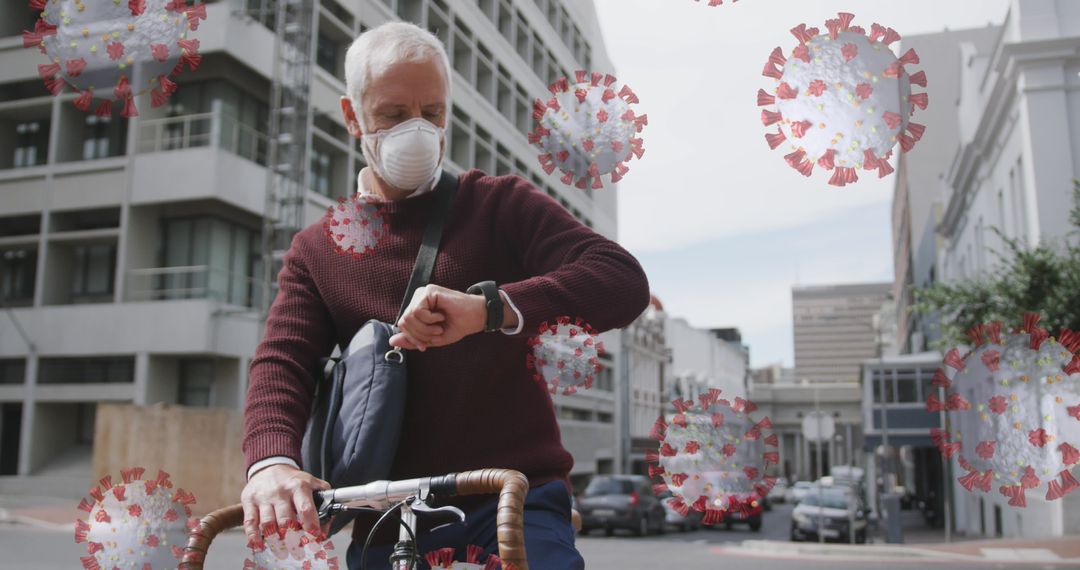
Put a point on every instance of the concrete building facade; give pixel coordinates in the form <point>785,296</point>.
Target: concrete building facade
<point>1003,159</point>
<point>129,249</point>
<point>701,360</point>
<point>1018,152</point>
<point>1019,115</point>
<point>916,208</point>
<point>834,329</point>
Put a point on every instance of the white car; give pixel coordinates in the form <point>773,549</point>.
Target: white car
<point>779,492</point>
<point>836,514</point>
<point>798,491</point>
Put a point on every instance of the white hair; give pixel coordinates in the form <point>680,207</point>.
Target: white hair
<point>380,47</point>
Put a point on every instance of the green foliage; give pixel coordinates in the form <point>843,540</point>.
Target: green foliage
<point>1044,279</point>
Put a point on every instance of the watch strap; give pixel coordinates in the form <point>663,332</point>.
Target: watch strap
<point>492,300</point>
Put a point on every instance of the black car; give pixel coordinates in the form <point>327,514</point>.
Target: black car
<point>621,501</point>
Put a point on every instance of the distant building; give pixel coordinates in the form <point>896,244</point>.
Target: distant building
<point>834,329</point>
<point>639,394</point>
<point>772,374</point>
<point>702,359</point>
<point>916,208</point>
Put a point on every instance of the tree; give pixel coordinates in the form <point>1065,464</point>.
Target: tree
<point>1044,279</point>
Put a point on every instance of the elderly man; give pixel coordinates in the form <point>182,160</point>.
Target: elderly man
<point>472,402</point>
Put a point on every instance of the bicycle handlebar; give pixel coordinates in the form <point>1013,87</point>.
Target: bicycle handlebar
<point>510,485</point>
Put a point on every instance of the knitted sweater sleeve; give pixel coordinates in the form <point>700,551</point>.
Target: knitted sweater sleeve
<point>574,271</point>
<point>299,333</point>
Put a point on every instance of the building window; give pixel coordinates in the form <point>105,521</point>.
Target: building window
<point>219,260</point>
<point>906,391</point>
<point>95,268</point>
<point>319,172</point>
<point>326,54</point>
<point>103,137</point>
<point>17,276</point>
<point>196,380</point>
<point>12,371</point>
<point>31,143</point>
<point>567,413</point>
<point>106,370</point>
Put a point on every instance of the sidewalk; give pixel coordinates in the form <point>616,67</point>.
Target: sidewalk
<point>1054,552</point>
<point>49,513</point>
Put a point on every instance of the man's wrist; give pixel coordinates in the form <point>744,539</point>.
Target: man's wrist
<point>494,312</point>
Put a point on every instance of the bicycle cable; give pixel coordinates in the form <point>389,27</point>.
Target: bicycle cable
<point>367,543</point>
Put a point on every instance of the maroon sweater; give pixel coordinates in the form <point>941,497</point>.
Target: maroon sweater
<point>473,404</point>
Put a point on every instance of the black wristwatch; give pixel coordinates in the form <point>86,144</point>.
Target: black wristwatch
<point>494,303</point>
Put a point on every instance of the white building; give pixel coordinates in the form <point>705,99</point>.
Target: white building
<point>1019,119</point>
<point>1019,114</point>
<point>129,248</point>
<point>701,360</point>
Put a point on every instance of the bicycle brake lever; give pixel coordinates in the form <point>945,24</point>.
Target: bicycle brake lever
<point>423,509</point>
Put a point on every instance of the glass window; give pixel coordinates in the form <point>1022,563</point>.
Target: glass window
<point>196,381</point>
<point>906,391</point>
<point>326,54</point>
<point>319,172</point>
<point>31,143</point>
<point>219,260</point>
<point>103,136</point>
<point>111,369</point>
<point>607,486</point>
<point>17,276</point>
<point>95,267</point>
<point>12,371</point>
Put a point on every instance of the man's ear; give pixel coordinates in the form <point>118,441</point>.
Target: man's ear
<point>351,123</point>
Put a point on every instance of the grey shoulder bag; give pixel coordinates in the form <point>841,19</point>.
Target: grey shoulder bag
<point>352,435</point>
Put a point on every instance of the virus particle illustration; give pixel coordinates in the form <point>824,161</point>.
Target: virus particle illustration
<point>566,355</point>
<point>115,50</point>
<point>291,548</point>
<point>136,524</point>
<point>474,559</point>
<point>355,226</point>
<point>1013,407</point>
<point>587,129</point>
<point>843,100</point>
<point>713,456</point>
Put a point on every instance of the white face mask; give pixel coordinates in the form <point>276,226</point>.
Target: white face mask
<point>406,155</point>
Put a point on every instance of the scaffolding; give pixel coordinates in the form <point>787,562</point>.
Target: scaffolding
<point>290,134</point>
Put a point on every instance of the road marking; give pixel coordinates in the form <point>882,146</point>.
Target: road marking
<point>1027,554</point>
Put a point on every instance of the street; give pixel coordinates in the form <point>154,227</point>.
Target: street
<point>54,549</point>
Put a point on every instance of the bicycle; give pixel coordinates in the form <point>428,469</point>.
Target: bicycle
<point>410,498</point>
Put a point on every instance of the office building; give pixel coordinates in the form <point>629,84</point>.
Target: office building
<point>129,249</point>
<point>834,329</point>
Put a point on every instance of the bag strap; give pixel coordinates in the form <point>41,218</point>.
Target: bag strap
<point>429,248</point>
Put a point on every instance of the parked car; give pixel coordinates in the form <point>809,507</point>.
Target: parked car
<point>612,502</point>
<point>752,517</point>
<point>778,494</point>
<point>799,491</point>
<point>836,513</point>
<point>674,519</point>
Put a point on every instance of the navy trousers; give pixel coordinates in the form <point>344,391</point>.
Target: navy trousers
<point>549,535</point>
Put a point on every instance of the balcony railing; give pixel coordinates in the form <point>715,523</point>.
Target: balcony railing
<point>215,129</point>
<point>194,282</point>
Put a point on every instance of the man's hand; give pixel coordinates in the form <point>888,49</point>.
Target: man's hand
<point>438,316</point>
<point>274,496</point>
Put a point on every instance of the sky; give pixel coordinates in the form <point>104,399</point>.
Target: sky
<point>723,227</point>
